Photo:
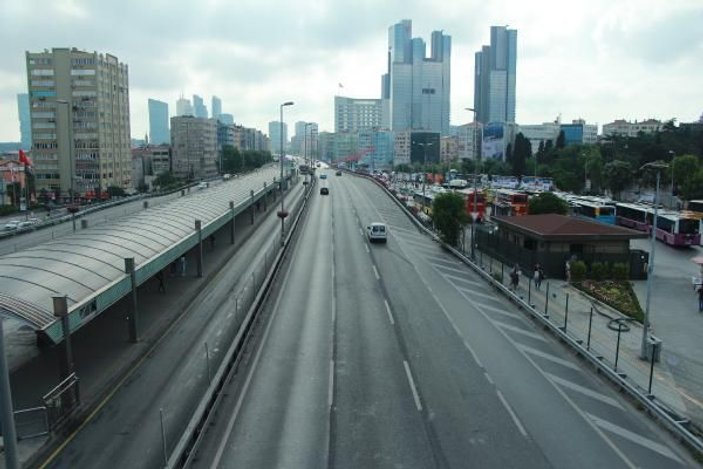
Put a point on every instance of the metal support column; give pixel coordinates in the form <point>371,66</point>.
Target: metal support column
<point>66,353</point>
<point>231,227</point>
<point>7,417</point>
<point>133,320</point>
<point>199,257</point>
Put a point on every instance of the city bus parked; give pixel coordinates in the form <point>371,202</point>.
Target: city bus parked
<point>468,195</point>
<point>508,202</point>
<point>594,209</point>
<point>673,228</point>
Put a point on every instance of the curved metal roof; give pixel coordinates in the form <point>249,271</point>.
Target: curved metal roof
<point>79,265</point>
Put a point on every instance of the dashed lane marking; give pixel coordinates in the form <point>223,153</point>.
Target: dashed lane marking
<point>547,356</point>
<point>518,424</point>
<point>390,314</point>
<point>517,330</point>
<point>584,390</point>
<point>411,381</point>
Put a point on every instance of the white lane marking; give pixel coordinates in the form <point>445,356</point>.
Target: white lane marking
<point>390,314</point>
<point>367,248</point>
<point>473,353</point>
<point>488,378</point>
<point>375,272</point>
<point>495,309</point>
<point>219,333</point>
<point>532,335</point>
<point>457,331</point>
<point>416,396</point>
<point>330,389</point>
<point>634,437</point>
<point>466,292</point>
<point>584,390</point>
<point>518,424</point>
<point>547,356</point>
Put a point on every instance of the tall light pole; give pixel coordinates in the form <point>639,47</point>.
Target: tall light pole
<point>475,195</point>
<point>69,127</point>
<point>658,165</point>
<point>282,213</point>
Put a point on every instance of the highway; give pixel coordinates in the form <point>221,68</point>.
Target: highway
<point>398,355</point>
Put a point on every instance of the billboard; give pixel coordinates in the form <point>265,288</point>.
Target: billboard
<point>493,146</point>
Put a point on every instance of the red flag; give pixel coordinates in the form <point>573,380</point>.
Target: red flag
<point>24,159</point>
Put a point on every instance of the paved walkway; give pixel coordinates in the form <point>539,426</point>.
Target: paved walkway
<point>552,298</point>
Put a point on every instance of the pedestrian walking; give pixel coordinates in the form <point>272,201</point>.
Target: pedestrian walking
<point>537,275</point>
<point>568,271</point>
<point>515,277</point>
<point>183,265</point>
<point>160,278</point>
<point>700,298</point>
<point>212,242</point>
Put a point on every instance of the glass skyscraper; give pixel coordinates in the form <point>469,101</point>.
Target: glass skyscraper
<point>216,107</point>
<point>25,121</point>
<point>158,122</point>
<point>416,88</point>
<point>494,77</point>
<point>199,108</point>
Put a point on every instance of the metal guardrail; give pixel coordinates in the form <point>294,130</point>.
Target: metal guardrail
<point>32,422</point>
<point>675,424</point>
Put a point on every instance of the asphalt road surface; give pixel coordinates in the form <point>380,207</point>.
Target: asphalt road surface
<point>398,355</point>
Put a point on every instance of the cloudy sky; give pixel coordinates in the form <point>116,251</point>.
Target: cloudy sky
<point>596,59</point>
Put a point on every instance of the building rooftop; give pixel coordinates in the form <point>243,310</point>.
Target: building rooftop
<point>552,226</point>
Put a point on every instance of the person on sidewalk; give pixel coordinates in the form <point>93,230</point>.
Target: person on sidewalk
<point>160,278</point>
<point>568,271</point>
<point>537,275</point>
<point>515,277</point>
<point>700,298</point>
<point>182,264</point>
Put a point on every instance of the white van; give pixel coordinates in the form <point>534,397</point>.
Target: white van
<point>203,185</point>
<point>377,232</point>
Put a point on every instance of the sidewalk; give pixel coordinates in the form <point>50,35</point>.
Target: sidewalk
<point>603,336</point>
<point>101,350</point>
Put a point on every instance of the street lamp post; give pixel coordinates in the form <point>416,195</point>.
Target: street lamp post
<point>475,195</point>
<point>282,213</point>
<point>650,270</point>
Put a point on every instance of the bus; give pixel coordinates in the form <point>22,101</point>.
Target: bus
<point>673,228</point>
<point>509,203</point>
<point>468,195</point>
<point>594,209</point>
<point>423,203</point>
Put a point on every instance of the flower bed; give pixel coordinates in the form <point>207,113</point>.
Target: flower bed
<point>617,294</point>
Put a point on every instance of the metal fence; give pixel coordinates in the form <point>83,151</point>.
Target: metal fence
<point>62,400</point>
<point>31,423</point>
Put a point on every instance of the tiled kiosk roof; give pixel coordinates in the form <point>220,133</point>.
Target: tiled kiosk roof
<point>554,227</point>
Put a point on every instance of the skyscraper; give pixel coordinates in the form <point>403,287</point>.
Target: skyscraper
<point>183,107</point>
<point>199,108</point>
<point>415,91</point>
<point>275,136</point>
<point>158,122</point>
<point>25,121</point>
<point>494,77</point>
<point>76,146</point>
<point>216,107</point>
<point>353,115</point>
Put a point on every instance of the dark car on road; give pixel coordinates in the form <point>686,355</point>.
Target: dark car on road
<point>324,191</point>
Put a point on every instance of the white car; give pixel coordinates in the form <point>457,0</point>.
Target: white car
<point>377,232</point>
<point>11,225</point>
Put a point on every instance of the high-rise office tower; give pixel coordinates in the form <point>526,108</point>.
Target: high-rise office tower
<point>216,107</point>
<point>275,130</point>
<point>199,108</point>
<point>353,115</point>
<point>226,118</point>
<point>25,121</point>
<point>158,122</point>
<point>415,91</point>
<point>494,77</point>
<point>79,105</point>
<point>183,107</point>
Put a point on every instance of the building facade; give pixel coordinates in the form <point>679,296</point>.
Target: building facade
<point>468,141</point>
<point>495,77</point>
<point>199,108</point>
<point>80,120</point>
<point>353,115</point>
<point>305,141</point>
<point>158,122</point>
<point>416,88</point>
<point>448,149</point>
<point>25,121</point>
<point>194,147</point>
<point>278,132</point>
<point>376,148</point>
<point>631,129</point>
<point>151,161</point>
<point>226,118</point>
<point>340,147</point>
<point>183,107</point>
<point>579,133</point>
<point>537,133</point>
<point>216,107</point>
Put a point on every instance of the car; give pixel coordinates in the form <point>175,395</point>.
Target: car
<point>323,176</point>
<point>203,185</point>
<point>24,224</point>
<point>11,225</point>
<point>338,173</point>
<point>324,191</point>
<point>377,232</point>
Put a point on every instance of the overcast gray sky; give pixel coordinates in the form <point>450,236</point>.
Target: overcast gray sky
<point>598,59</point>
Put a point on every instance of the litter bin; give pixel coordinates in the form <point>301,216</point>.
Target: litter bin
<point>654,346</point>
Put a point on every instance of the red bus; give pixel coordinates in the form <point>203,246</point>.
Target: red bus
<point>480,208</point>
<point>509,202</point>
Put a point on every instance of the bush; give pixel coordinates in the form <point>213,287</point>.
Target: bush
<point>7,209</point>
<point>599,271</point>
<point>621,271</point>
<point>578,271</point>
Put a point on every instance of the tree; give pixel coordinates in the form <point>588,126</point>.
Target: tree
<point>232,161</point>
<point>166,180</point>
<point>561,140</point>
<point>115,191</point>
<point>142,188</point>
<point>546,202</point>
<point>449,216</point>
<point>684,168</point>
<point>617,176</point>
<point>522,151</point>
<point>692,188</point>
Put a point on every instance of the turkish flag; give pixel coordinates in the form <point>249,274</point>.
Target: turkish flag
<point>24,159</point>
